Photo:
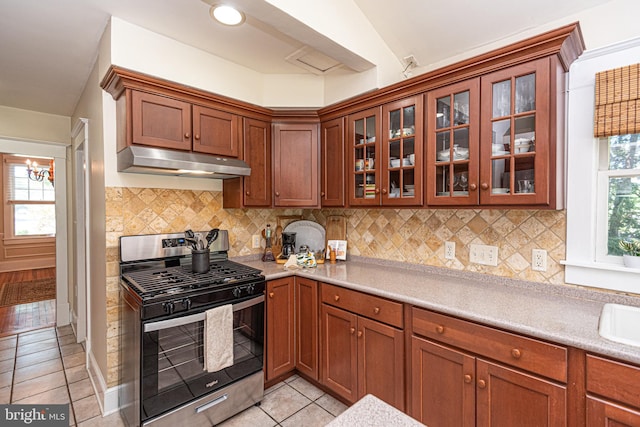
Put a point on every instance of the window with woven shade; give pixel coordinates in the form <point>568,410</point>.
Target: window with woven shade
<point>617,109</point>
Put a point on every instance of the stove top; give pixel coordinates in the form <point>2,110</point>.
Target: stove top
<point>180,279</point>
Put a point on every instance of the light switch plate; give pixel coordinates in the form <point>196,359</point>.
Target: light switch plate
<point>483,254</point>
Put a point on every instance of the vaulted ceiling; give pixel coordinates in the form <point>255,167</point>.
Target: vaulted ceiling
<point>47,49</point>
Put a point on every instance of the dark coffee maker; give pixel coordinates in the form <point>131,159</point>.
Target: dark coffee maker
<point>288,244</point>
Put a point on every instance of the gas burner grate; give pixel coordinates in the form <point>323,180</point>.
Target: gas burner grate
<point>175,280</point>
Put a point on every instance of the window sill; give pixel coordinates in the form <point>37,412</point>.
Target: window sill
<point>28,240</point>
<point>608,276</point>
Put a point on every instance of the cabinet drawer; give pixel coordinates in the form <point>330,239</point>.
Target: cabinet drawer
<point>614,380</point>
<point>380,309</point>
<point>532,355</point>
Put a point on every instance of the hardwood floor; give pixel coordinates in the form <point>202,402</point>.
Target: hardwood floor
<point>26,317</point>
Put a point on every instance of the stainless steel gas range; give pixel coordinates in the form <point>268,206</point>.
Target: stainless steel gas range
<point>163,313</point>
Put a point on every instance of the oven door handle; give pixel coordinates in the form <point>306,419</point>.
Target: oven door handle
<point>185,320</point>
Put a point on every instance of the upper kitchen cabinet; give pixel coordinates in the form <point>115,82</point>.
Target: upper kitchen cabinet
<point>165,122</point>
<point>332,154</point>
<point>518,135</point>
<point>253,190</point>
<point>402,155</point>
<point>159,113</point>
<point>453,157</point>
<point>363,152</point>
<point>295,165</point>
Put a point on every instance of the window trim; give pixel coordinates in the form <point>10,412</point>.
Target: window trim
<point>582,264</point>
<point>9,236</point>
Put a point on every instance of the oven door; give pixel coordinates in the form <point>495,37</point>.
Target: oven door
<point>173,358</point>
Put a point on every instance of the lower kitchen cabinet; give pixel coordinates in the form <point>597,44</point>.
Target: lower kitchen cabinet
<point>613,393</point>
<point>455,384</point>
<point>280,326</point>
<point>361,355</point>
<point>306,315</point>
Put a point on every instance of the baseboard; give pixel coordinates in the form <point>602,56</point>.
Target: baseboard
<point>27,264</point>
<point>107,397</point>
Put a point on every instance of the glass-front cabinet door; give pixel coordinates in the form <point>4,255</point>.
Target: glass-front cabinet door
<point>364,160</point>
<point>402,152</point>
<point>452,144</point>
<point>515,135</point>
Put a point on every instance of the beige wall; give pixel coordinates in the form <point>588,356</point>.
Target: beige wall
<point>33,126</point>
<point>90,107</point>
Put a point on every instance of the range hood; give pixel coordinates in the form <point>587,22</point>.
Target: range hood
<point>157,161</point>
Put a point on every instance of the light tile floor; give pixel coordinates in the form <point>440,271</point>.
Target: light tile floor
<point>47,366</point>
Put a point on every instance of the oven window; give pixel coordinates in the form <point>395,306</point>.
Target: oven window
<point>173,361</point>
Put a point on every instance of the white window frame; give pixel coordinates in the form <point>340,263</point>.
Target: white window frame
<point>587,218</point>
<point>9,207</point>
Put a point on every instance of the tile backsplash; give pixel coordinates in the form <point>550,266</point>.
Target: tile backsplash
<point>410,235</point>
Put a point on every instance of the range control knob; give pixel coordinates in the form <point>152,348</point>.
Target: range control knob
<point>169,307</point>
<point>251,289</point>
<point>186,303</point>
<point>236,292</point>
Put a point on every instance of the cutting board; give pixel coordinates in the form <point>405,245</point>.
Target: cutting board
<point>336,227</point>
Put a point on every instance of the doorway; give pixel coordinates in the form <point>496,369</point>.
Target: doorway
<point>59,154</point>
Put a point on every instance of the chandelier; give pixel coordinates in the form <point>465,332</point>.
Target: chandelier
<point>36,173</point>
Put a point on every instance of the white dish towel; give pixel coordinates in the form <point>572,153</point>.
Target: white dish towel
<point>218,338</point>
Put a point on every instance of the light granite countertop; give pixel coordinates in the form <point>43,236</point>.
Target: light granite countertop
<point>373,412</point>
<point>559,313</point>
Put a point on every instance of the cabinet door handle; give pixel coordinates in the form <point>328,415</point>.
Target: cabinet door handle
<point>468,378</point>
<point>473,187</point>
<point>187,135</point>
<point>376,310</point>
<point>270,294</point>
<point>277,194</point>
<point>377,190</point>
<point>515,353</point>
<point>336,298</point>
<point>440,329</point>
<point>484,186</point>
<point>359,334</point>
<point>248,193</point>
<point>384,191</point>
<point>197,137</point>
<point>352,330</point>
<point>322,193</point>
<point>482,384</point>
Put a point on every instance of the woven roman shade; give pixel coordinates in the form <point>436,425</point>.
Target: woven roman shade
<point>617,101</point>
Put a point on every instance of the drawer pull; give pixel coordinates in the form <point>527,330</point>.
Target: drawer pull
<point>336,298</point>
<point>482,384</point>
<point>187,135</point>
<point>270,294</point>
<point>352,330</point>
<point>440,329</point>
<point>515,353</point>
<point>467,379</point>
<point>376,310</point>
<point>359,334</point>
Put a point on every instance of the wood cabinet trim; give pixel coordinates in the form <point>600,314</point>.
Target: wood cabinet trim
<point>566,42</point>
<point>117,79</point>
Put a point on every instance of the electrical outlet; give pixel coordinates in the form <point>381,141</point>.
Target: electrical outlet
<point>450,250</point>
<point>539,260</point>
<point>483,254</point>
<point>255,241</point>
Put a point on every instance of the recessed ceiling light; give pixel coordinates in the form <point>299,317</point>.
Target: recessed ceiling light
<point>226,14</point>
